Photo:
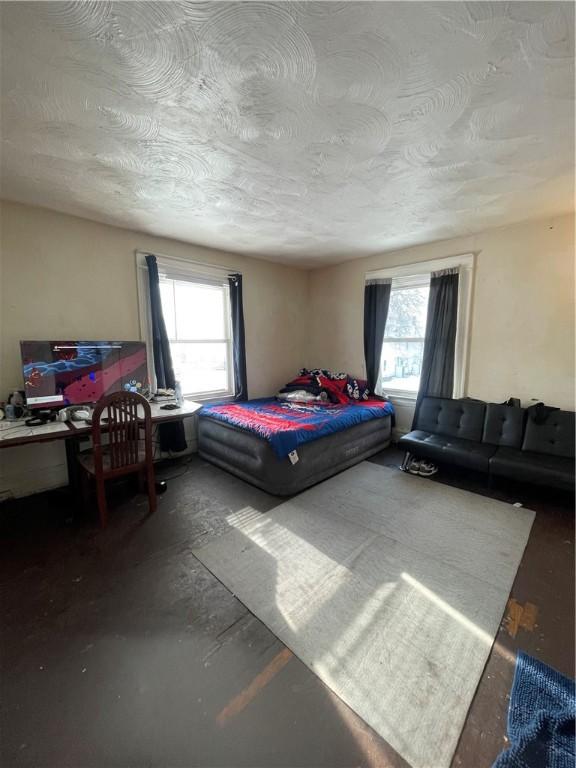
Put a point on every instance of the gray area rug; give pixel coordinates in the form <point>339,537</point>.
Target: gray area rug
<point>389,587</point>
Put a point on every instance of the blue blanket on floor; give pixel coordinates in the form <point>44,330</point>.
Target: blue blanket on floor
<point>540,718</point>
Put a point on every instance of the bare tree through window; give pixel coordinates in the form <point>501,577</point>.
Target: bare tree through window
<point>403,345</point>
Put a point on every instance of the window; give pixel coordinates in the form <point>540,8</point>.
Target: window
<point>196,310</point>
<point>403,346</point>
<point>197,317</point>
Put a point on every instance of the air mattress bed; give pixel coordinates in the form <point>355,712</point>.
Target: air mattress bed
<point>252,457</point>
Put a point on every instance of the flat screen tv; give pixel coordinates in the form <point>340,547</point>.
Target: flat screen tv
<point>61,373</point>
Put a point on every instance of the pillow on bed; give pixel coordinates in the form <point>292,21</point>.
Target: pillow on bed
<point>336,389</point>
<point>357,389</point>
<point>302,379</point>
<point>300,396</point>
<point>324,372</point>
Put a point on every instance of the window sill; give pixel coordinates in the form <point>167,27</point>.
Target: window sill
<point>223,398</point>
<point>401,397</point>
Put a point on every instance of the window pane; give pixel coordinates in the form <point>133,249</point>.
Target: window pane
<point>167,299</point>
<point>199,311</point>
<point>401,365</point>
<point>407,312</point>
<point>200,367</point>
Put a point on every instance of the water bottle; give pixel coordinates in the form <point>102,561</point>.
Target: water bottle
<point>178,393</point>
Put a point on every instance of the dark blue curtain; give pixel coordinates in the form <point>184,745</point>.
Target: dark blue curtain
<point>160,344</point>
<point>437,376</point>
<point>376,303</point>
<point>238,340</point>
<point>171,435</point>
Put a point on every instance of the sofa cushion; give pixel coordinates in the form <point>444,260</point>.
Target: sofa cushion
<point>503,425</point>
<point>463,419</point>
<point>555,437</point>
<point>539,468</point>
<point>453,450</point>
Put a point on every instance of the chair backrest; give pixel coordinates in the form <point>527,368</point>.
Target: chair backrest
<point>125,413</point>
<point>454,418</point>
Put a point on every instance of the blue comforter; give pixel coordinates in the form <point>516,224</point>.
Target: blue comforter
<point>288,425</point>
<point>541,718</point>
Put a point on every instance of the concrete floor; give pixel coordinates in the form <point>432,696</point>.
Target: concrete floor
<point>120,649</point>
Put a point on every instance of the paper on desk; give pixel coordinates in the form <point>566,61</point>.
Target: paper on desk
<point>4,425</point>
<point>82,423</point>
<point>56,426</point>
<point>14,429</point>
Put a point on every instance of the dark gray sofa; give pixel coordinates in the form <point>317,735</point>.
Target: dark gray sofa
<point>500,440</point>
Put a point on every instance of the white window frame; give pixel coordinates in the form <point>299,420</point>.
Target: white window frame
<point>181,270</point>
<point>409,274</point>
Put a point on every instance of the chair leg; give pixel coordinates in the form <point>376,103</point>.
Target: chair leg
<point>101,496</point>
<point>151,482</point>
<point>406,462</point>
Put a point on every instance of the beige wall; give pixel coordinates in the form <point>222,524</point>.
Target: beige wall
<point>522,328</point>
<point>68,277</point>
<point>64,277</point>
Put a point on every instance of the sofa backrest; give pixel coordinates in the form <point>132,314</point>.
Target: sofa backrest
<point>454,418</point>
<point>503,425</point>
<point>554,437</point>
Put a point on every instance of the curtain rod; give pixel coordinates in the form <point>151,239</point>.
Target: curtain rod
<point>188,261</point>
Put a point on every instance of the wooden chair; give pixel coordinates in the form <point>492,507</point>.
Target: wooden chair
<point>121,416</point>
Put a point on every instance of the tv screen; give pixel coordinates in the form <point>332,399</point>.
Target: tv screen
<point>61,373</point>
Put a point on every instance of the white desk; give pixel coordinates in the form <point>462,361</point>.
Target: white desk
<point>159,416</point>
<point>15,433</point>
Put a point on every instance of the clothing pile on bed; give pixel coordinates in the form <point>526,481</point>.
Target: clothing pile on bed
<point>322,386</point>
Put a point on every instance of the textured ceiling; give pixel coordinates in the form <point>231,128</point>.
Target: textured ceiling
<point>303,132</point>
